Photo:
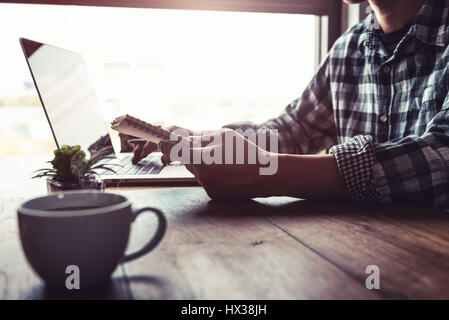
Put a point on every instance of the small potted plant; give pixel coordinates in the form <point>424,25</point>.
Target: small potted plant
<point>72,171</point>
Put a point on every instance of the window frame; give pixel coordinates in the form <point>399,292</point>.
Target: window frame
<point>328,12</point>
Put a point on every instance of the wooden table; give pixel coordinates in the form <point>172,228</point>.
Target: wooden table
<point>275,248</point>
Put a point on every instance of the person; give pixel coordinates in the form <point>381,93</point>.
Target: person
<point>378,105</point>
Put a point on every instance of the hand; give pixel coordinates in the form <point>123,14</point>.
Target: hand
<point>222,179</point>
<point>141,151</point>
<point>272,174</point>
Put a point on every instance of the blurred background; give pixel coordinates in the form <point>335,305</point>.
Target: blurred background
<point>197,69</point>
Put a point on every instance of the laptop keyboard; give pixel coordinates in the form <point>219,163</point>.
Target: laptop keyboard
<point>152,164</point>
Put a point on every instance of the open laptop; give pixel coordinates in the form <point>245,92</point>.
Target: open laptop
<point>71,107</point>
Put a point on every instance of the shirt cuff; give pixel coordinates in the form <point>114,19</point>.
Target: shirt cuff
<point>355,161</point>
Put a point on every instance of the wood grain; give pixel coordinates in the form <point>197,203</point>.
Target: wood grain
<point>217,251</point>
<point>408,244</point>
<point>286,248</point>
<point>274,248</point>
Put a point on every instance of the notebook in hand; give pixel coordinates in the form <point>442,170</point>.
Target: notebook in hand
<point>135,127</point>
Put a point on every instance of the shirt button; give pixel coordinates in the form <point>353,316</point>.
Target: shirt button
<point>383,118</point>
<point>387,69</point>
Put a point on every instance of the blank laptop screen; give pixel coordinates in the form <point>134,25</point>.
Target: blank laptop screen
<point>67,95</point>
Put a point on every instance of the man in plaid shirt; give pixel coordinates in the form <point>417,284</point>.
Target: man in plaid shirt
<point>378,103</point>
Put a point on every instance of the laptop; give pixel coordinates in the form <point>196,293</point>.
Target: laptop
<point>74,115</point>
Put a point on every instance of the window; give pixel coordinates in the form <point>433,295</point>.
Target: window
<point>197,69</point>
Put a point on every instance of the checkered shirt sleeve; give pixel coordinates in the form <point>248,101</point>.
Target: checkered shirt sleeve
<point>383,115</point>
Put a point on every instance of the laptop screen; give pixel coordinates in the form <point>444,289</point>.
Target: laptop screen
<point>67,96</point>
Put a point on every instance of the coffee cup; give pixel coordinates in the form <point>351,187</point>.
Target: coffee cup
<point>80,234</point>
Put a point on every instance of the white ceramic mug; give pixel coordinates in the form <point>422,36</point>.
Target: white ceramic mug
<point>86,229</point>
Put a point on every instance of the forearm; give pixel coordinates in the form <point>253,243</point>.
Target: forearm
<point>306,176</point>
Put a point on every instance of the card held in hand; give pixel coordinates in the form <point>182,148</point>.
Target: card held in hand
<point>135,127</point>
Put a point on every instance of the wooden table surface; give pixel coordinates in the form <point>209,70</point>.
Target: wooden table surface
<point>274,248</point>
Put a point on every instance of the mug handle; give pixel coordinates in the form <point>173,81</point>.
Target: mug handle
<point>162,226</point>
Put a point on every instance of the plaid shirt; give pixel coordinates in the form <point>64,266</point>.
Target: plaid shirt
<point>385,117</point>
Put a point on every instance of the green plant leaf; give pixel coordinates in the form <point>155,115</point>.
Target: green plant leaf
<point>45,174</point>
<point>70,164</point>
<point>45,169</point>
<point>102,167</point>
<point>101,154</point>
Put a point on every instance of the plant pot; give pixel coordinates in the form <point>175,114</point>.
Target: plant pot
<point>91,183</point>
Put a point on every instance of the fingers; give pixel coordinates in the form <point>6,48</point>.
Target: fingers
<point>166,146</point>
<point>137,151</point>
<point>141,151</point>
<point>148,148</point>
<point>165,158</point>
<point>184,152</point>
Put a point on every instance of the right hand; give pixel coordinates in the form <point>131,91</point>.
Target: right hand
<point>141,151</point>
